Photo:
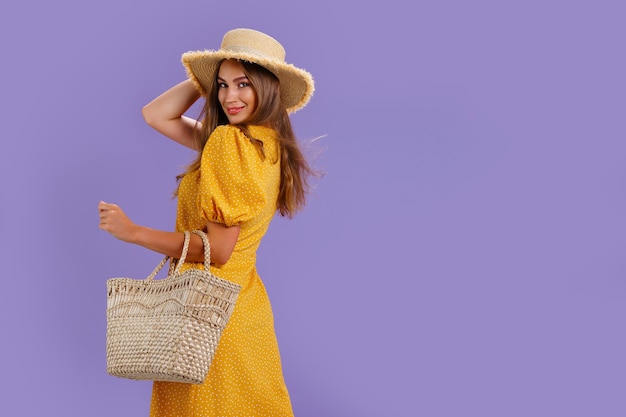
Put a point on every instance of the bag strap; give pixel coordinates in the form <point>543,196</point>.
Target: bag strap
<point>183,255</point>
<point>178,264</point>
<point>207,248</point>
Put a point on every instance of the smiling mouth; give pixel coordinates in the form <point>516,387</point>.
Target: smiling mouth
<point>234,110</point>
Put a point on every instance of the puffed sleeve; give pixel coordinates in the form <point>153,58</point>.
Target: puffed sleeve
<point>231,182</point>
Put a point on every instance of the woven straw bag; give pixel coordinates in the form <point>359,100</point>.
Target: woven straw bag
<point>168,330</point>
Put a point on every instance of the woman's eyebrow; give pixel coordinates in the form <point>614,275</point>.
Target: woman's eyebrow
<point>235,80</point>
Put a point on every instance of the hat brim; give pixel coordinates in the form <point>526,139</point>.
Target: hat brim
<point>296,84</point>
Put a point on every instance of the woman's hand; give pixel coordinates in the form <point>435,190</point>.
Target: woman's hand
<point>115,221</point>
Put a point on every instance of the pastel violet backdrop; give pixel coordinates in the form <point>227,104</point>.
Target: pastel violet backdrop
<point>463,255</point>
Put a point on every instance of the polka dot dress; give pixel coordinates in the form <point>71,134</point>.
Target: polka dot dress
<point>234,186</point>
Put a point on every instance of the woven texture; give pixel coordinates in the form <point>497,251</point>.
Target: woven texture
<point>167,330</point>
<point>296,84</point>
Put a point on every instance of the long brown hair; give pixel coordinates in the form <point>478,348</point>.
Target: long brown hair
<point>270,112</point>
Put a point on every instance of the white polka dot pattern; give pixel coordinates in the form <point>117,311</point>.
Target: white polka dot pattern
<point>234,186</point>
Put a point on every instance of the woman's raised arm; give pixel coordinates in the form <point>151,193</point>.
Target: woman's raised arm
<point>165,114</point>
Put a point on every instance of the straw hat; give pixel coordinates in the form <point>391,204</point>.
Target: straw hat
<point>296,85</point>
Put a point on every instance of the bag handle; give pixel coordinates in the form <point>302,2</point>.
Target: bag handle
<point>183,255</point>
<point>207,248</point>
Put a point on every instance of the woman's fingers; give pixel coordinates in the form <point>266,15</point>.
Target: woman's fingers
<point>103,206</point>
<point>114,220</point>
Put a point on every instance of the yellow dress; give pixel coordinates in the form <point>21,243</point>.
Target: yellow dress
<point>234,186</point>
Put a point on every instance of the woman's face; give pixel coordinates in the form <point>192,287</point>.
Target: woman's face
<point>235,93</point>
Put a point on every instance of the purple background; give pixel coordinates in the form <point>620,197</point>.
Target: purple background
<point>463,255</point>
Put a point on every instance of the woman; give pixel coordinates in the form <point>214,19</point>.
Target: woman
<point>248,167</point>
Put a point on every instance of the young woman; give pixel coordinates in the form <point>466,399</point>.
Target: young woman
<point>248,167</point>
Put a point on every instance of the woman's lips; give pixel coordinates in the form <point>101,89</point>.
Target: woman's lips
<point>234,110</point>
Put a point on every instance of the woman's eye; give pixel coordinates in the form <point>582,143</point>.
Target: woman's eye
<point>242,85</point>
<point>221,85</point>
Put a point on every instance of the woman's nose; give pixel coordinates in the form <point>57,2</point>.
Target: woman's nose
<point>231,94</point>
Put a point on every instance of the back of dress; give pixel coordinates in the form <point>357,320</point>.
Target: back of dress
<point>235,185</point>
